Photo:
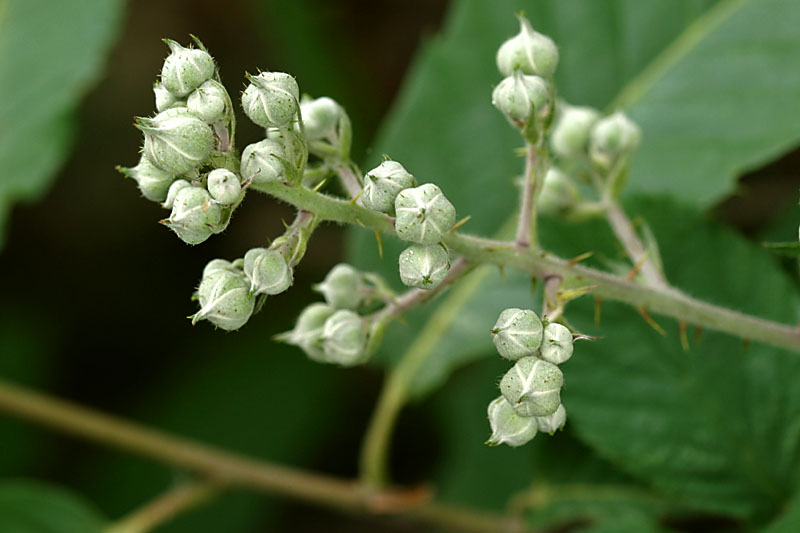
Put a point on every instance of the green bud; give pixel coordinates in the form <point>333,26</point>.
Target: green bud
<point>267,271</point>
<point>174,189</point>
<point>529,51</point>
<point>185,69</point>
<point>225,300</point>
<point>195,216</point>
<point>570,136</point>
<point>271,99</point>
<point>209,102</point>
<point>558,192</point>
<point>424,267</point>
<point>262,162</point>
<point>219,264</point>
<point>153,182</point>
<point>343,287</point>
<point>176,141</point>
<point>424,215</point>
<point>224,186</point>
<point>383,183</point>
<point>613,137</point>
<point>307,332</point>
<point>344,338</point>
<point>517,333</point>
<point>533,387</point>
<point>507,426</point>
<point>556,344</point>
<point>320,117</point>
<point>552,423</point>
<point>520,97</point>
<point>164,98</point>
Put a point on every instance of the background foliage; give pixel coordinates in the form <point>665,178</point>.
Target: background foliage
<point>658,438</point>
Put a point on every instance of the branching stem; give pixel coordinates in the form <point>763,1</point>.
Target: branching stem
<point>526,225</point>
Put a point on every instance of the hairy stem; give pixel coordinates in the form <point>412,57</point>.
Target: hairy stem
<point>349,179</point>
<point>663,300</point>
<point>526,225</point>
<point>165,507</point>
<point>230,469</point>
<point>626,234</point>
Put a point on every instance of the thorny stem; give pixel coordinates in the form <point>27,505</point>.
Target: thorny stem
<point>664,300</point>
<point>165,507</point>
<point>234,470</point>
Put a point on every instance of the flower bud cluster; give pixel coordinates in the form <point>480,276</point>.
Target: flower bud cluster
<point>176,166</point>
<point>530,399</point>
<point>229,290</point>
<point>526,95</point>
<point>334,331</point>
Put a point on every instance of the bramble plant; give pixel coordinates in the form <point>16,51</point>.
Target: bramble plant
<point>577,161</point>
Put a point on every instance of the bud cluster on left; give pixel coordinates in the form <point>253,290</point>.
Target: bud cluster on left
<point>185,163</point>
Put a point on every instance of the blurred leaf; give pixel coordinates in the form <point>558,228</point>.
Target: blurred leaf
<point>789,521</point>
<point>34,507</point>
<point>791,249</point>
<point>719,102</point>
<point>50,54</point>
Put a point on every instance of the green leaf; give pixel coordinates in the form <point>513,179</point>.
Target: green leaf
<point>35,507</point>
<point>50,54</point>
<point>719,102</point>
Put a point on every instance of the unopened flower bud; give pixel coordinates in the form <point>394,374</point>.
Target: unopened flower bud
<point>529,51</point>
<point>520,97</point>
<point>612,137</point>
<point>320,117</point>
<point>383,183</point>
<point>307,332</point>
<point>176,141</point>
<point>551,423</point>
<point>225,300</point>
<point>267,271</point>
<point>271,99</point>
<point>424,267</point>
<point>219,264</point>
<point>174,189</point>
<point>224,186</point>
<point>344,338</point>
<point>185,69</point>
<point>424,215</point>
<point>153,182</point>
<point>533,387</point>
<point>556,344</point>
<point>558,192</point>
<point>570,135</point>
<point>343,287</point>
<point>195,215</point>
<point>209,102</point>
<point>164,98</point>
<point>262,162</point>
<point>507,426</point>
<point>517,333</point>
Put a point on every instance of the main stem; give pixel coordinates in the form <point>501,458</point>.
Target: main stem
<point>663,300</point>
<point>225,468</point>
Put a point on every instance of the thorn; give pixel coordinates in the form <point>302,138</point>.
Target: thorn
<point>579,258</point>
<point>746,345</point>
<point>698,332</point>
<point>652,323</point>
<point>598,311</point>
<point>355,198</point>
<point>285,225</point>
<point>497,248</point>
<point>684,338</point>
<point>502,271</point>
<point>637,267</point>
<point>360,223</point>
<point>380,243</point>
<point>567,295</point>
<point>534,284</point>
<point>319,185</point>
<point>459,223</point>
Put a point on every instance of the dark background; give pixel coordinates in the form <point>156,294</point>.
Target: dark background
<point>96,293</point>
